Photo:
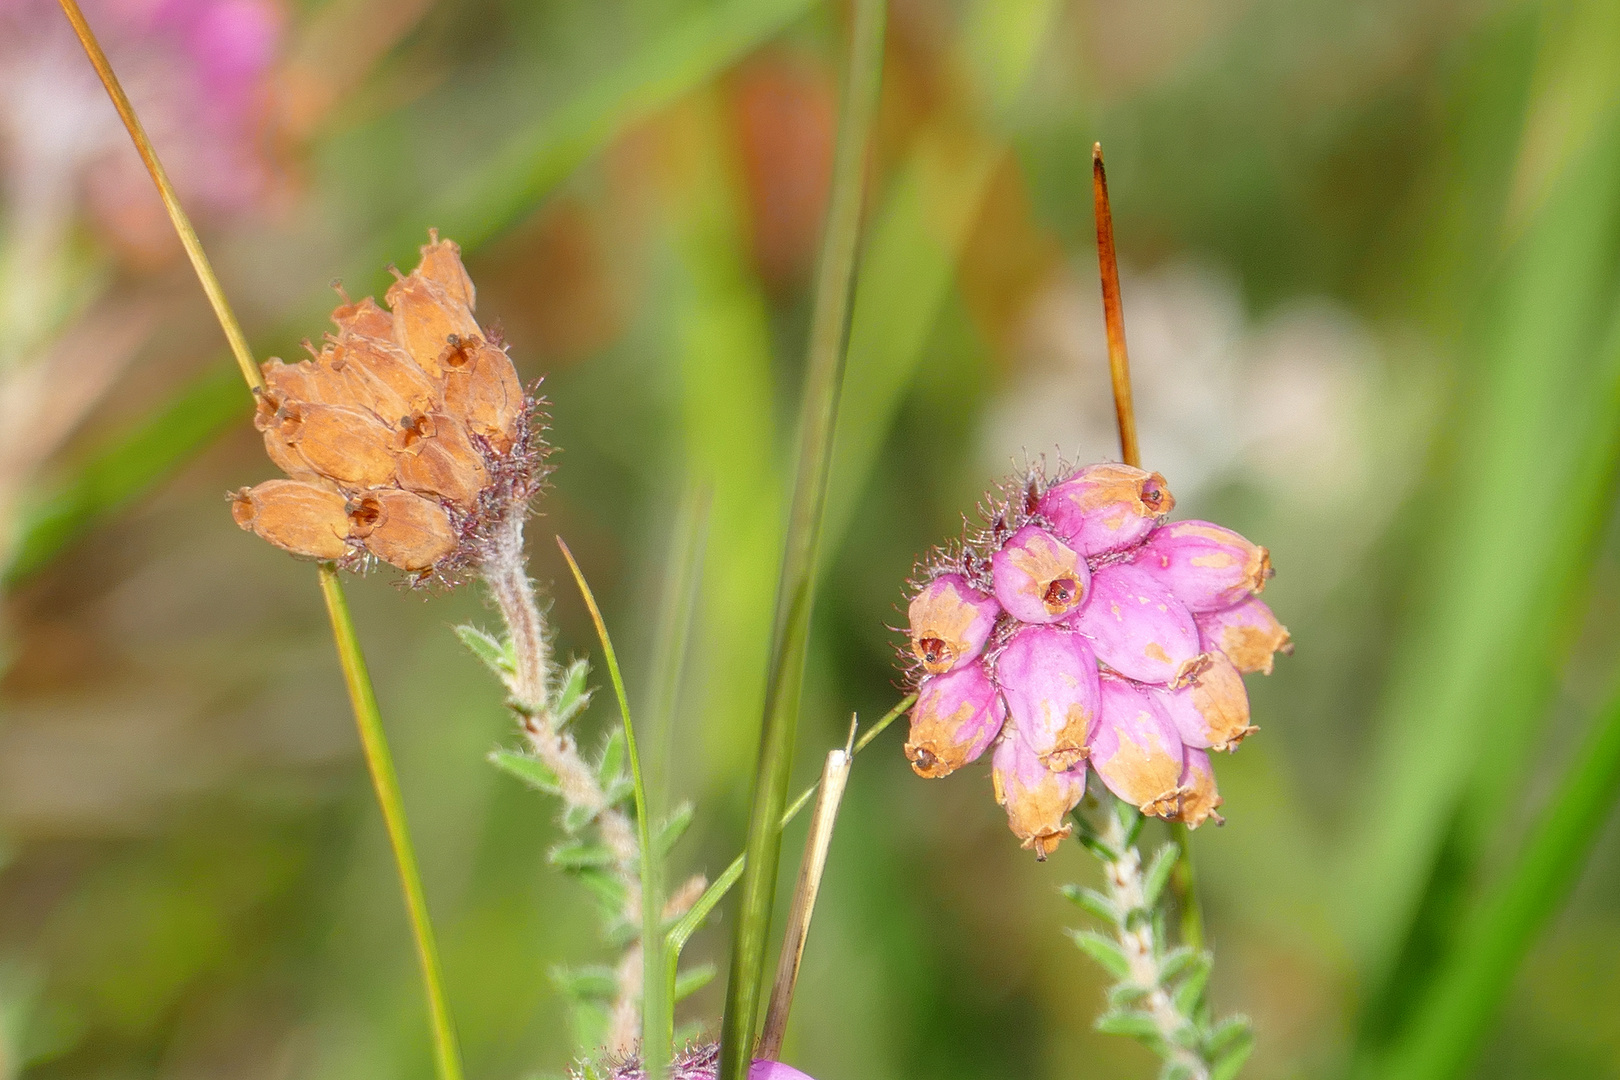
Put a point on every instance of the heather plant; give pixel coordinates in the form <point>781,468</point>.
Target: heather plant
<point>1085,646</point>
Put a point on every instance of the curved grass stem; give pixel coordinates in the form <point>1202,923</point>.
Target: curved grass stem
<point>361,695</point>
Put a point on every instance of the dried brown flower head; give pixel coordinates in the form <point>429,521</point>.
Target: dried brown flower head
<point>408,436</point>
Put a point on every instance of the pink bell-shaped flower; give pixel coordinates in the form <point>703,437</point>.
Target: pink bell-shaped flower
<point>950,623</point>
<point>1137,628</point>
<point>1037,577</point>
<point>1247,633</point>
<point>1106,507</point>
<point>956,718</point>
<point>1211,711</point>
<point>1199,798</point>
<point>1037,799</point>
<point>1048,677</point>
<point>1204,566</point>
<point>1136,750</point>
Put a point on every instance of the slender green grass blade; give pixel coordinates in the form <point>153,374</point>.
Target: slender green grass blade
<point>380,762</point>
<point>795,595</point>
<point>1448,1029</point>
<point>1502,582</point>
<point>656,1021</point>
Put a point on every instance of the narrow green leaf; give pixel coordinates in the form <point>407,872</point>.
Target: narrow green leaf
<point>576,817</point>
<point>532,771</point>
<point>581,856</point>
<point>1228,1034</point>
<point>1105,952</point>
<point>1176,1070</point>
<point>492,651</point>
<point>694,979</point>
<point>795,596</point>
<point>1124,994</point>
<point>1094,902</point>
<point>674,827</point>
<point>1176,961</point>
<point>1158,873</point>
<point>1131,1023</point>
<point>605,887</point>
<point>1231,1060</point>
<point>1190,993</point>
<point>610,766</point>
<point>573,693</point>
<point>593,982</point>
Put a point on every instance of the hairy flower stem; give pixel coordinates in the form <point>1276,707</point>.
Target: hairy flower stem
<point>1145,954</point>
<point>532,682</point>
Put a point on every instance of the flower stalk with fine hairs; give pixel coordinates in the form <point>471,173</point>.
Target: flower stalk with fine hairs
<point>1159,996</point>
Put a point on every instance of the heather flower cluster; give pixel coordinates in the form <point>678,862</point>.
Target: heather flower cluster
<point>406,438</point>
<point>1080,630</point>
<point>696,1062</point>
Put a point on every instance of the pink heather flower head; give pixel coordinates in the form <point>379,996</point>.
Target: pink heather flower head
<point>697,1062</point>
<point>1080,632</point>
<point>196,71</point>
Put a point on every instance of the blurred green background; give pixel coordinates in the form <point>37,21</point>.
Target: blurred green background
<point>1372,289</point>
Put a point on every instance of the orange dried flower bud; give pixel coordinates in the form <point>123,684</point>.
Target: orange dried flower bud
<point>437,458</point>
<point>481,387</point>
<point>383,377</point>
<point>400,528</point>
<point>347,445</point>
<point>425,319</point>
<point>365,319</point>
<point>441,264</point>
<point>1212,711</point>
<point>1199,797</point>
<point>288,382</point>
<point>303,518</point>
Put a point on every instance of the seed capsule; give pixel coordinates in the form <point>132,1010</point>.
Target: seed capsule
<point>1037,799</point>
<point>1247,632</point>
<point>950,622</point>
<point>383,377</point>
<point>425,320</point>
<point>1199,797</point>
<point>1106,507</point>
<point>290,382</point>
<point>1204,566</point>
<point>1048,676</point>
<point>303,518</point>
<point>481,387</point>
<point>364,319</point>
<point>1136,750</point>
<point>347,445</point>
<point>441,264</point>
<point>401,528</point>
<point>957,716</point>
<point>1137,628</point>
<point>436,458</point>
<point>1213,709</point>
<point>1037,577</point>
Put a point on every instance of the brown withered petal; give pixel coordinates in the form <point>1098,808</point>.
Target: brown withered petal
<point>481,387</point>
<point>303,518</point>
<point>365,319</point>
<point>401,528</point>
<point>425,319</point>
<point>441,264</point>
<point>437,458</point>
<point>385,379</point>
<point>284,382</point>
<point>343,444</point>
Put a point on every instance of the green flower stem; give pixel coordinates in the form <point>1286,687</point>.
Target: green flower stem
<point>383,779</point>
<point>656,1021</point>
<point>790,639</point>
<point>361,695</point>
